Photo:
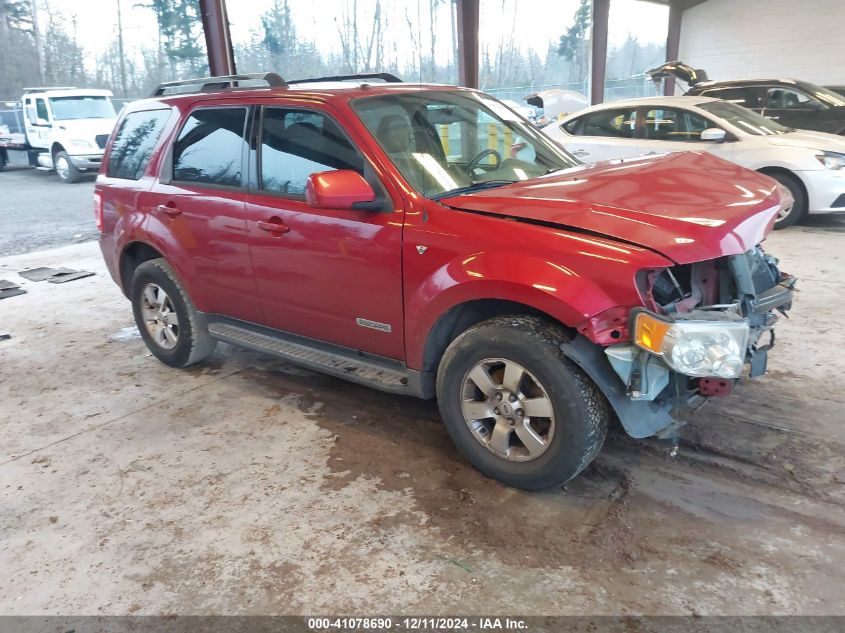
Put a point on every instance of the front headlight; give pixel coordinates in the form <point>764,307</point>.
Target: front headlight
<point>831,160</point>
<point>81,143</point>
<point>694,348</point>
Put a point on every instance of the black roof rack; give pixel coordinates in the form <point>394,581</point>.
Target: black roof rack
<point>212,84</point>
<point>385,77</point>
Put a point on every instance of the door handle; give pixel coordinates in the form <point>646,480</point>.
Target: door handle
<point>169,209</point>
<point>273,225</point>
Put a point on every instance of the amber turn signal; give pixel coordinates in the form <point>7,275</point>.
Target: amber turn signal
<point>649,332</point>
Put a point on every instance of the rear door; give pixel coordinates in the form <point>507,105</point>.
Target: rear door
<point>678,130</point>
<point>198,206</point>
<point>604,134</point>
<point>330,274</point>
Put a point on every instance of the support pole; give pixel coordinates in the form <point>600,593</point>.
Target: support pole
<point>673,42</point>
<point>598,61</point>
<point>218,40</point>
<point>468,14</point>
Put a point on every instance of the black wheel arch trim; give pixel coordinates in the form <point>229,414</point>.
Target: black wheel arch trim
<point>639,418</point>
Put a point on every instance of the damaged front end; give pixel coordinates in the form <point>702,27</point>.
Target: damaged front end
<point>701,324</point>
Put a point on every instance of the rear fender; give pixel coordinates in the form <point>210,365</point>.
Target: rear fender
<point>150,230</point>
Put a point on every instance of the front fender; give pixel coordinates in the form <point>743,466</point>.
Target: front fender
<point>551,288</point>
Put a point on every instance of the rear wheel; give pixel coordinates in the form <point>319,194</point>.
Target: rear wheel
<point>792,215</point>
<point>169,324</point>
<point>65,168</point>
<point>516,407</point>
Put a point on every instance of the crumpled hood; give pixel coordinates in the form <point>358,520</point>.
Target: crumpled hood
<point>688,206</point>
<point>810,140</point>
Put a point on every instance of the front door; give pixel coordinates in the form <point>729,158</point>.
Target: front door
<point>330,274</point>
<point>199,204</point>
<point>794,108</point>
<point>678,130</point>
<point>37,122</point>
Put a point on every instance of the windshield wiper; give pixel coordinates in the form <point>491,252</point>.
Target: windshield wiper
<point>476,186</point>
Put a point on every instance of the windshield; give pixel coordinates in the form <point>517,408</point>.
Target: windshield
<point>445,142</point>
<point>827,96</point>
<point>81,108</point>
<point>743,118</point>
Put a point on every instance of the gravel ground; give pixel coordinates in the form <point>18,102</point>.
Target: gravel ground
<point>39,211</point>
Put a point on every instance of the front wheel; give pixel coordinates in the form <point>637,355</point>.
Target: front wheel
<point>516,407</point>
<point>793,215</point>
<point>65,168</point>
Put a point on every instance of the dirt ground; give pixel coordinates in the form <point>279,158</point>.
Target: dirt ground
<point>249,486</point>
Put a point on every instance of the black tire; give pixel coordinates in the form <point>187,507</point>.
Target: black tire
<point>799,209</point>
<point>73,175</point>
<point>193,342</point>
<point>580,410</point>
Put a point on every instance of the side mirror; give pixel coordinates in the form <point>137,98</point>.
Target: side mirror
<point>342,189</point>
<point>714,134</point>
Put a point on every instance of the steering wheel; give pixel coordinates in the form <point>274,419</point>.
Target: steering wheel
<point>481,156</point>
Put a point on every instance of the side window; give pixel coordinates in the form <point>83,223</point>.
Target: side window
<point>573,127</point>
<point>789,99</point>
<point>298,143</point>
<point>671,124</point>
<point>210,147</point>
<point>30,110</point>
<point>619,122</point>
<point>41,109</point>
<point>748,97</point>
<point>134,143</point>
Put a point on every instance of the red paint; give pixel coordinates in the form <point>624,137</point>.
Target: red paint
<point>608,327</point>
<point>312,269</point>
<point>715,387</point>
<point>689,206</point>
<point>338,189</point>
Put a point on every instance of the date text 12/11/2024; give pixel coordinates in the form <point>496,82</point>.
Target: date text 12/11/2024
<point>418,624</point>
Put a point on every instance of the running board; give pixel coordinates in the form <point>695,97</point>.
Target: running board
<point>385,375</point>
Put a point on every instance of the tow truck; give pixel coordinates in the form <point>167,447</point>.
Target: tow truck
<point>62,129</point>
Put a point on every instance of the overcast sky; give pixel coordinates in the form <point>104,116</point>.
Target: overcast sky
<point>534,23</point>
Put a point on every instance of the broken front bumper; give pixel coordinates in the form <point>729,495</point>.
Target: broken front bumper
<point>653,377</point>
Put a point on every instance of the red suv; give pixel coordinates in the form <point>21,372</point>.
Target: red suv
<point>427,240</point>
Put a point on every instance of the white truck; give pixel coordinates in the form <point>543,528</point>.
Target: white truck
<point>64,129</point>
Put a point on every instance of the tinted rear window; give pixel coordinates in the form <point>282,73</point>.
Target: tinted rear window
<point>210,147</point>
<point>134,143</point>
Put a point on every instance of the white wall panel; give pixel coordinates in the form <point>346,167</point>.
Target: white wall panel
<point>738,39</point>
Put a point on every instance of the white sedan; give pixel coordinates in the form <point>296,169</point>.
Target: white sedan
<point>810,164</point>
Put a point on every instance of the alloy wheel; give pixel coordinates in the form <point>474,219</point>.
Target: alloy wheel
<point>159,316</point>
<point>507,409</point>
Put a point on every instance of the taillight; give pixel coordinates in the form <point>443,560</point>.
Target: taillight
<point>98,210</point>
